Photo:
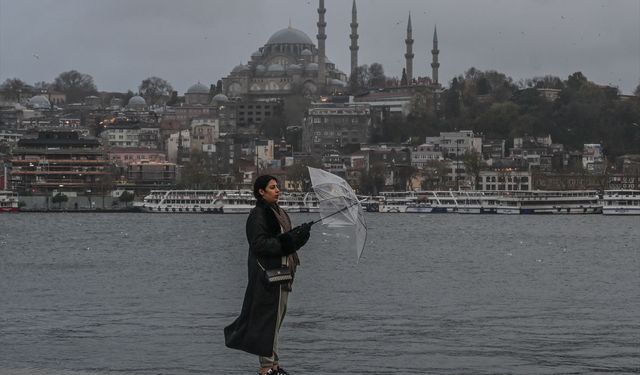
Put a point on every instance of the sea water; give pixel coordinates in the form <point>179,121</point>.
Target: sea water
<point>432,294</point>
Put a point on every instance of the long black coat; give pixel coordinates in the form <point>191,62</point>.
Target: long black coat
<point>254,330</point>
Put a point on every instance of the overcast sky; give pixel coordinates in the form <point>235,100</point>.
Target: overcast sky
<point>122,42</point>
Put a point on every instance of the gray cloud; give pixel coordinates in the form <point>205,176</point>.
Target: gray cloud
<point>121,42</point>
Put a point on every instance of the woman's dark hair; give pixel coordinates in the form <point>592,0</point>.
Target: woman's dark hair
<point>261,183</point>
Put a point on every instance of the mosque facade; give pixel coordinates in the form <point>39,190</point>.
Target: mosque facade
<point>289,63</point>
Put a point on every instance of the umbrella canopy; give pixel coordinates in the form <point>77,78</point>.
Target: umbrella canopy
<point>339,205</point>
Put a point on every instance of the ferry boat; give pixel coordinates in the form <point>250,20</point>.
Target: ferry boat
<point>621,202</point>
<point>181,201</point>
<point>9,201</point>
<point>549,202</point>
<point>299,202</point>
<point>220,201</point>
<point>397,201</point>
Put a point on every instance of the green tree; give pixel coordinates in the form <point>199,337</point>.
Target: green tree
<point>434,175</point>
<point>75,85</point>
<point>13,88</point>
<point>155,90</point>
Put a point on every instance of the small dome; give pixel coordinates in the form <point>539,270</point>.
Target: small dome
<point>39,102</point>
<point>256,54</point>
<point>221,98</point>
<point>306,52</point>
<point>198,88</point>
<point>261,68</point>
<point>275,68</point>
<point>312,66</point>
<point>137,101</point>
<point>337,82</point>
<point>294,67</point>
<point>289,36</point>
<point>240,68</point>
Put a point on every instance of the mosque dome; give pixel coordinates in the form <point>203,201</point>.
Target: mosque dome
<point>39,102</point>
<point>240,68</point>
<point>137,101</point>
<point>289,36</point>
<point>337,82</point>
<point>220,98</point>
<point>261,68</point>
<point>275,68</point>
<point>198,88</point>
<point>306,52</point>
<point>294,67</point>
<point>256,54</point>
<point>312,66</point>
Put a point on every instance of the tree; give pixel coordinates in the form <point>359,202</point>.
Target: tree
<point>576,80</point>
<point>473,164</point>
<point>155,90</point>
<point>42,85</point>
<point>362,77</point>
<point>636,92</point>
<point>298,175</point>
<point>13,88</point>
<point>59,199</point>
<point>75,85</point>
<point>376,75</point>
<point>126,197</point>
<point>434,172</point>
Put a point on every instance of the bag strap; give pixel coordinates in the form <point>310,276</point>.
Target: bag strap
<point>260,265</point>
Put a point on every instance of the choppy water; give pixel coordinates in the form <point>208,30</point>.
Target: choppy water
<point>433,294</point>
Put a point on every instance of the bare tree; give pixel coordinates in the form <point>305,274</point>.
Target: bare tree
<point>155,90</point>
<point>75,85</point>
<point>13,87</point>
<point>376,75</point>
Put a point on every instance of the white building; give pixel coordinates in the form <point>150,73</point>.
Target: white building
<point>456,144</point>
<point>121,135</point>
<point>424,153</point>
<point>505,180</point>
<point>592,156</point>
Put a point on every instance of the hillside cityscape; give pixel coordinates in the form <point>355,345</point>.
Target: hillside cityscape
<point>289,107</point>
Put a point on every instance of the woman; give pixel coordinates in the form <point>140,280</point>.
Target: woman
<point>272,244</point>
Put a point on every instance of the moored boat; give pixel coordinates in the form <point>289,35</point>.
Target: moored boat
<point>9,201</point>
<point>621,202</point>
<point>181,201</point>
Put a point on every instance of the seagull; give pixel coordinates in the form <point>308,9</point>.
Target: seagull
<point>36,56</point>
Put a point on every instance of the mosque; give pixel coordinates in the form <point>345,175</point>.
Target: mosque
<point>291,63</point>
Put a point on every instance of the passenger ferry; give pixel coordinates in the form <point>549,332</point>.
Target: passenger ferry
<point>9,201</point>
<point>621,202</point>
<point>181,201</point>
<point>219,201</point>
<point>549,202</point>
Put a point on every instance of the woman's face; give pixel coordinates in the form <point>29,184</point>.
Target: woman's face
<point>271,192</point>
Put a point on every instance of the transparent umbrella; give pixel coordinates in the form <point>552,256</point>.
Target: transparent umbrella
<point>339,205</point>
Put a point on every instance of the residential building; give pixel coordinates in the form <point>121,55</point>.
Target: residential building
<point>507,179</point>
<point>330,127</point>
<point>455,144</point>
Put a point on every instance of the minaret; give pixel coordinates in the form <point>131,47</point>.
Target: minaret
<point>434,52</point>
<point>409,55</point>
<point>322,69</point>
<point>354,41</point>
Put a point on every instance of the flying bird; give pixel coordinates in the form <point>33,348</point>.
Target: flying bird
<point>36,56</point>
